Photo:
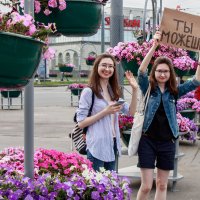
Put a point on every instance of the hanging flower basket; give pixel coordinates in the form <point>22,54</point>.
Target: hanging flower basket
<point>80,18</point>
<point>180,73</point>
<point>89,62</point>
<point>131,66</point>
<point>193,55</point>
<point>11,94</point>
<point>90,59</point>
<point>76,91</point>
<point>191,72</point>
<point>19,59</point>
<point>66,67</point>
<point>76,88</point>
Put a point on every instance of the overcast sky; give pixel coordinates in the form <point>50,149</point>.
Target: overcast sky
<point>192,6</point>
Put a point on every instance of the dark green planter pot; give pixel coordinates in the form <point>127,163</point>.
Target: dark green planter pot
<point>19,59</point>
<point>66,69</point>
<point>180,73</point>
<point>80,18</point>
<point>188,113</point>
<point>76,91</point>
<point>89,62</point>
<point>125,135</point>
<point>11,94</point>
<point>131,66</point>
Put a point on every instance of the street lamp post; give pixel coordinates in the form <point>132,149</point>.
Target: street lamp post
<point>29,114</point>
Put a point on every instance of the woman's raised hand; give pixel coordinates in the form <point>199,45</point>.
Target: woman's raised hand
<point>157,38</point>
<point>131,80</point>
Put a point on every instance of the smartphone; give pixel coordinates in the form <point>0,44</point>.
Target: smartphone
<point>120,102</point>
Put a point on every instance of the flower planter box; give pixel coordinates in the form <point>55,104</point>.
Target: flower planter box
<point>19,59</point>
<point>189,113</point>
<point>80,18</point>
<point>76,91</point>
<point>66,69</point>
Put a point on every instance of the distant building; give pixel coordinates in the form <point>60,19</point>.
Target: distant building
<point>76,49</point>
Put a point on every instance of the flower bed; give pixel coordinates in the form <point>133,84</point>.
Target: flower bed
<point>57,176</point>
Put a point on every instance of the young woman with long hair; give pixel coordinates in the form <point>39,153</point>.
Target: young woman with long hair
<point>103,134</point>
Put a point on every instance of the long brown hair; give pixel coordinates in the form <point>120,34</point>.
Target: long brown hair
<point>94,79</point>
<point>171,83</point>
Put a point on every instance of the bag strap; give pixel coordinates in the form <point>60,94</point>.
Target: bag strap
<point>90,110</point>
<point>146,97</point>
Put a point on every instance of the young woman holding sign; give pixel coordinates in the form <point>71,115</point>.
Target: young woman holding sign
<point>160,129</point>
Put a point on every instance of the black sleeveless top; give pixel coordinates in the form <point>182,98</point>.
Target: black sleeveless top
<point>159,129</point>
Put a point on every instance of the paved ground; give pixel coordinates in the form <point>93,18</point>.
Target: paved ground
<point>53,120</point>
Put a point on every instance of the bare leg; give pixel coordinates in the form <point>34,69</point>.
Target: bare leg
<point>146,184</point>
<point>161,184</point>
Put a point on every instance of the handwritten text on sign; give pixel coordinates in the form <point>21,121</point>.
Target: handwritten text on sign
<point>180,29</point>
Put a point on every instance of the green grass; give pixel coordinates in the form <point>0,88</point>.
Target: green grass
<point>55,82</point>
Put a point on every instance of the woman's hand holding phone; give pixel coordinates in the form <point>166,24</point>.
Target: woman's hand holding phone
<point>120,102</point>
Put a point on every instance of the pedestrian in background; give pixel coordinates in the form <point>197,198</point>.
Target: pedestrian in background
<point>103,134</point>
<point>160,129</point>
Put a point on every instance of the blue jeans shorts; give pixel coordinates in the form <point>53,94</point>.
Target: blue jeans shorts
<point>153,153</point>
<point>99,163</point>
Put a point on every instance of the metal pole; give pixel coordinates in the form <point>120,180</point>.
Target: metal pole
<point>154,6</point>
<point>117,35</point>
<point>160,9</point>
<point>29,114</point>
<point>117,30</point>
<point>102,32</point>
<point>144,20</point>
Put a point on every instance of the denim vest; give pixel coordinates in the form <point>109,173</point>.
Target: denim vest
<point>168,101</point>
